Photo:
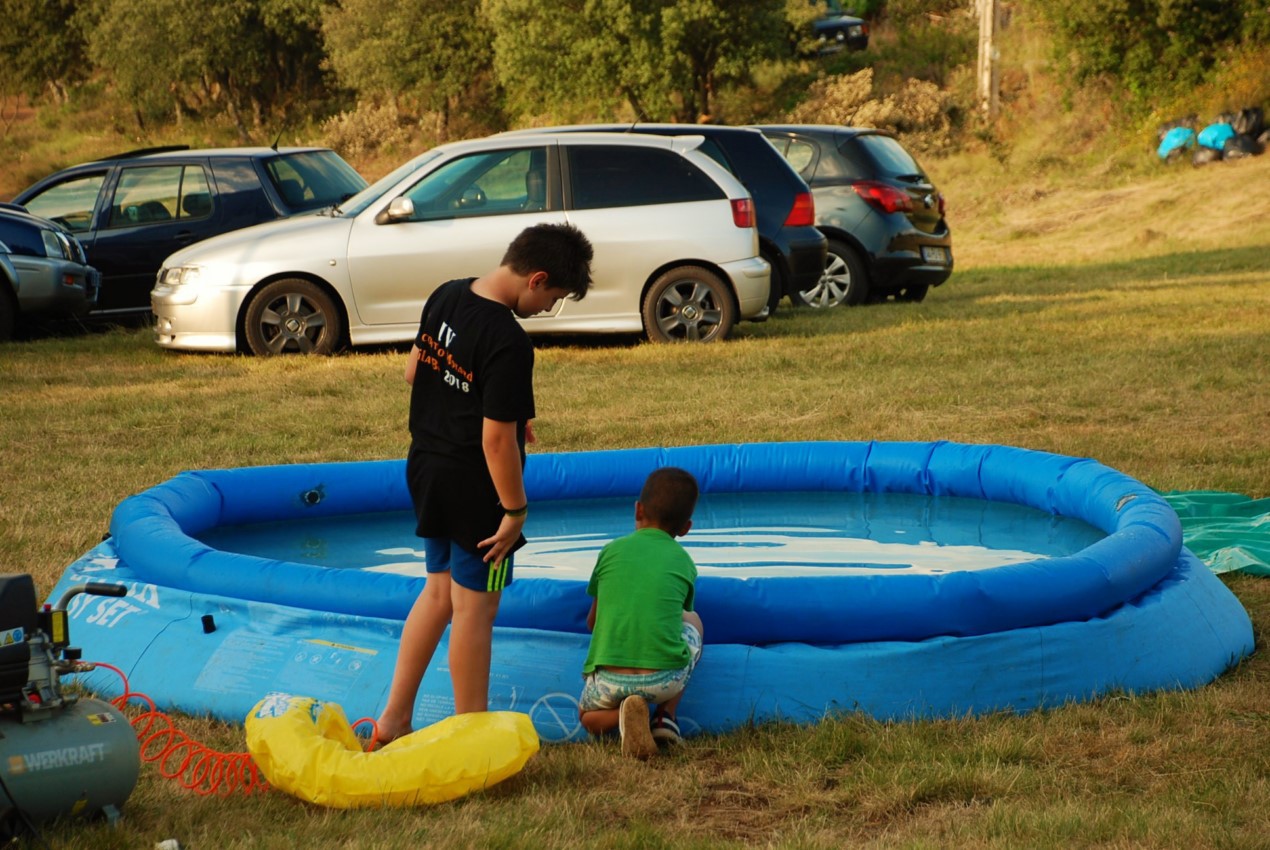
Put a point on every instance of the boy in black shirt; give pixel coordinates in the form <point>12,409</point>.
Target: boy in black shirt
<point>471,372</point>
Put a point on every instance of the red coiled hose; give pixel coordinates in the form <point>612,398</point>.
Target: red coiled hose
<point>196,766</point>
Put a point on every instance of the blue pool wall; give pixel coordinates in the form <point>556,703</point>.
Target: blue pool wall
<point>153,532</point>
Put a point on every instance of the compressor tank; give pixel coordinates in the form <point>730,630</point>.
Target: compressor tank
<point>81,759</point>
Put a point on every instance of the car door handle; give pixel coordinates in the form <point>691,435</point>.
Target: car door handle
<point>184,237</point>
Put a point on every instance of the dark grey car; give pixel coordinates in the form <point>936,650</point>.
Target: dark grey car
<point>131,211</point>
<point>881,213</point>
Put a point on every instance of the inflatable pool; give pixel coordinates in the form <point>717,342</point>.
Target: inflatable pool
<point>905,630</point>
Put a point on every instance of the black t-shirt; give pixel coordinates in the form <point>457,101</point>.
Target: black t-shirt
<point>475,362</point>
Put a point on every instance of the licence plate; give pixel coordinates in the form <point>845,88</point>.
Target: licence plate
<point>934,255</point>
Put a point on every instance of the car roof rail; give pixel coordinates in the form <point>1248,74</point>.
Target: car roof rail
<point>148,151</point>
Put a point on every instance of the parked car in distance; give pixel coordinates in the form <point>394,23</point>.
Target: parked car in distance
<point>837,29</point>
<point>676,249</point>
<point>788,238</point>
<point>883,216</point>
<point>43,272</point>
<point>130,211</point>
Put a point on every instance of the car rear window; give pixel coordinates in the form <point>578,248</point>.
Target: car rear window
<point>889,156</point>
<point>311,180</point>
<point>711,149</point>
<point>802,156</point>
<point>616,176</point>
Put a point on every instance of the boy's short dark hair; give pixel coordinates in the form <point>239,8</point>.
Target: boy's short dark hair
<point>669,497</point>
<point>560,250</point>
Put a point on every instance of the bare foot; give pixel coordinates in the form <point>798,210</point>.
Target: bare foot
<point>386,733</point>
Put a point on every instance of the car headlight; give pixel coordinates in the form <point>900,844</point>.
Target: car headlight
<point>180,276</point>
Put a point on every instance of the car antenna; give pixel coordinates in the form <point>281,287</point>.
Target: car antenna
<point>277,139</point>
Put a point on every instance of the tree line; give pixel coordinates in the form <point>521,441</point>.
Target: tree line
<point>252,59</point>
<point>266,61</point>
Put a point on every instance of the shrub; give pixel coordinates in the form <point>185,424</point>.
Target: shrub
<point>368,131</point>
<point>920,112</point>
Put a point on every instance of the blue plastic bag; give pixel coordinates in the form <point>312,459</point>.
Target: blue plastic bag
<point>1215,135</point>
<point>1176,139</point>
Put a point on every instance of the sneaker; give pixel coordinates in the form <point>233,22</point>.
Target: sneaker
<point>632,725</point>
<point>666,730</point>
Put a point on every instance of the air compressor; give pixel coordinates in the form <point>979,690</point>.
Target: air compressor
<point>60,754</point>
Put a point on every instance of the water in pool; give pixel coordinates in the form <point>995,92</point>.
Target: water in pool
<point>739,535</point>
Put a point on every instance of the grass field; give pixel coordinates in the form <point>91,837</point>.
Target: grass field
<point>1090,317</point>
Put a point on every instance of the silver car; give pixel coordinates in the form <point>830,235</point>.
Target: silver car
<point>676,248</point>
<point>43,272</point>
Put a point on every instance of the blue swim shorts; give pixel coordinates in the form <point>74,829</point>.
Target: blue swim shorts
<point>603,689</point>
<point>442,555</point>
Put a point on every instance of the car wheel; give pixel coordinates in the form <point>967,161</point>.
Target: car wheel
<point>912,293</point>
<point>292,316</point>
<point>844,280</point>
<point>688,303</point>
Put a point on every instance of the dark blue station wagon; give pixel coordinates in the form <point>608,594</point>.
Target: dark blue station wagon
<point>130,212</point>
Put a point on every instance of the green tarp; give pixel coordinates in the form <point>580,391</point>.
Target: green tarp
<point>1227,531</point>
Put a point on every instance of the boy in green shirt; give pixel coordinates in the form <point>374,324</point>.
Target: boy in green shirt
<point>646,639</point>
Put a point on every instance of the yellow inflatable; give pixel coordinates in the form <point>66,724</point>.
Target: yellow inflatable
<point>307,748</point>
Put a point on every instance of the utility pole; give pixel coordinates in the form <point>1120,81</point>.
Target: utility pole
<point>989,73</point>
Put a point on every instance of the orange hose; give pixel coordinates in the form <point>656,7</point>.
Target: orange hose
<point>373,743</point>
<point>197,767</point>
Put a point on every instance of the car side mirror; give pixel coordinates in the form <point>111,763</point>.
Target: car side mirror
<point>398,209</point>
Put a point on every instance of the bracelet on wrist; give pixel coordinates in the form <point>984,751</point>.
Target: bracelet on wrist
<point>518,512</point>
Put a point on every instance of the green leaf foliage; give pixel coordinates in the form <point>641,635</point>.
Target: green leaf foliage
<point>1150,46</point>
<point>657,59</point>
<point>427,52</point>
<point>42,46</point>
<point>242,56</point>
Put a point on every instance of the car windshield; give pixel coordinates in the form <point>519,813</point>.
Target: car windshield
<point>311,180</point>
<point>359,202</point>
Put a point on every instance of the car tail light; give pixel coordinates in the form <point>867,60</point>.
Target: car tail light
<point>803,213</point>
<point>941,204</point>
<point>886,198</point>
<point>743,212</point>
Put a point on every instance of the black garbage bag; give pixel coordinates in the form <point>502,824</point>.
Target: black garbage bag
<point>1203,155</point>
<point>1239,146</point>
<point>1250,122</point>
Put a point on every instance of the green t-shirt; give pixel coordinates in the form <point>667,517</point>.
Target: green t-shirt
<point>642,584</point>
